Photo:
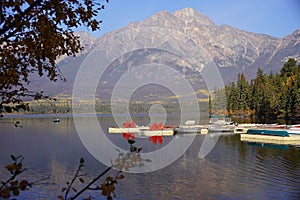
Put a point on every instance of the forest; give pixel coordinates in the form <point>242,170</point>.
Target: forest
<point>268,98</point>
<point>265,99</point>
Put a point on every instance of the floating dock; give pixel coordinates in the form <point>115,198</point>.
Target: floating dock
<point>156,129</point>
<point>163,132</point>
<point>127,130</point>
<point>191,129</point>
<point>292,139</point>
<point>144,131</point>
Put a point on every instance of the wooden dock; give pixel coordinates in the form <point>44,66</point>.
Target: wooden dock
<point>163,132</point>
<point>127,130</point>
<point>143,131</point>
<point>292,139</point>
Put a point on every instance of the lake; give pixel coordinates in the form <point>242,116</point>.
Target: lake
<point>232,169</point>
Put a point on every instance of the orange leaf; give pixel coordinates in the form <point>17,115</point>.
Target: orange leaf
<point>121,176</point>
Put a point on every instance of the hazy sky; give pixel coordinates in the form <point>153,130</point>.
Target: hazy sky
<point>273,17</point>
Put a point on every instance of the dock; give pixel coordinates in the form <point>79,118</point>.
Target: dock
<point>163,132</point>
<point>127,130</point>
<point>156,129</point>
<point>292,139</point>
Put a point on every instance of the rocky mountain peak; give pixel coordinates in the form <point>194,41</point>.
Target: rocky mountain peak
<point>296,34</point>
<point>195,36</point>
<point>189,15</point>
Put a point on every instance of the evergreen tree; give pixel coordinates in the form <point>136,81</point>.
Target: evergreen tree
<point>290,89</point>
<point>258,95</point>
<point>243,87</point>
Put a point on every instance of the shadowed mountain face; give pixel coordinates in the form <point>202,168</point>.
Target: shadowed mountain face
<point>185,40</point>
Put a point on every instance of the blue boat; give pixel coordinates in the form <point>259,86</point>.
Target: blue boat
<point>282,133</point>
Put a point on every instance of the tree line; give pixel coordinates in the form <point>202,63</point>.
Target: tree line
<point>266,98</point>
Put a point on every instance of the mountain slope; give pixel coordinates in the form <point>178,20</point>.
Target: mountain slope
<point>232,50</point>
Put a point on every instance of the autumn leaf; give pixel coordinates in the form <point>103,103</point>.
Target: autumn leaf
<point>16,192</point>
<point>63,189</point>
<point>109,178</point>
<point>121,176</point>
<point>81,180</point>
<point>11,167</point>
<point>23,184</point>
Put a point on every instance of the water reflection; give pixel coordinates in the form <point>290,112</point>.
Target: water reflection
<point>232,170</point>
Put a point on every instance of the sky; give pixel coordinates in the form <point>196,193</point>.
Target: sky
<point>277,18</point>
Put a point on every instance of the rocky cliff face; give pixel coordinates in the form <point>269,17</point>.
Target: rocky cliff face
<point>194,41</point>
<point>228,47</point>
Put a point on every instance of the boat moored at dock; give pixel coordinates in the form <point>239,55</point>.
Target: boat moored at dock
<point>276,136</point>
<point>190,128</point>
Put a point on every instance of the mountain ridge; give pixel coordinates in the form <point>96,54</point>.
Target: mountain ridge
<point>232,50</point>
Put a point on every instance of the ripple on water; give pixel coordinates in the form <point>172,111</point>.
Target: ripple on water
<point>271,176</point>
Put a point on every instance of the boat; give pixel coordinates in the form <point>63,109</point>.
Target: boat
<point>221,128</point>
<point>56,120</point>
<point>274,132</point>
<point>274,136</point>
<point>220,123</point>
<point>277,130</point>
<point>293,130</point>
<point>189,127</point>
<point>295,126</point>
<point>276,126</point>
<point>220,120</point>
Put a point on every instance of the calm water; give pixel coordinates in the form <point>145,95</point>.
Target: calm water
<point>232,170</point>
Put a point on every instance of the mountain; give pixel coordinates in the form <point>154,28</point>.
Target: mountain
<point>188,41</point>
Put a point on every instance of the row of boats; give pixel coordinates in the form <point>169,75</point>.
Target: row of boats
<point>270,133</point>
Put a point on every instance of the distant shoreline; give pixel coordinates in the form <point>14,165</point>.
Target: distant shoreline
<point>25,115</point>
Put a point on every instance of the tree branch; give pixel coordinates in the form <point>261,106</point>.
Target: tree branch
<point>91,183</point>
<point>13,24</point>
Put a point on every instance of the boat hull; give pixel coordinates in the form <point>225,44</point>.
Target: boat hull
<point>275,132</point>
<point>294,131</point>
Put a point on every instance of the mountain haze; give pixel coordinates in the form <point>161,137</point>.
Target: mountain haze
<point>232,50</point>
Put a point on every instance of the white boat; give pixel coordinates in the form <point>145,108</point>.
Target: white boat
<point>220,120</point>
<point>56,120</point>
<point>294,131</point>
<point>220,123</point>
<point>221,128</point>
<point>189,127</point>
